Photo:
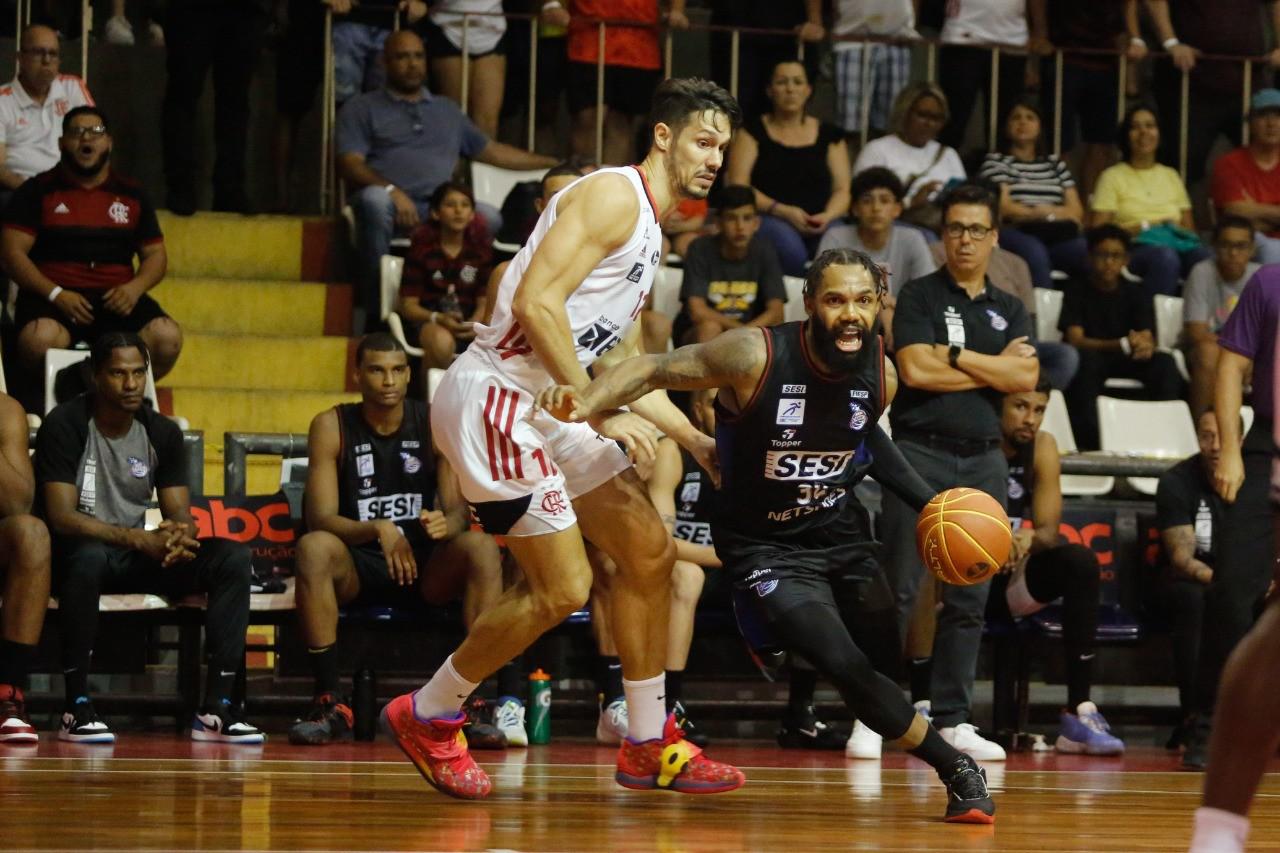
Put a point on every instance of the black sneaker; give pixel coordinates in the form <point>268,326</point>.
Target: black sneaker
<point>692,733</point>
<point>1178,738</point>
<point>968,800</point>
<point>222,724</point>
<point>81,724</point>
<point>808,732</point>
<point>479,728</point>
<point>327,720</point>
<point>1197,746</point>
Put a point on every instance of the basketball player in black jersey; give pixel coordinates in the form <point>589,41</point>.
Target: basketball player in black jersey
<point>797,406</point>
<point>375,534</point>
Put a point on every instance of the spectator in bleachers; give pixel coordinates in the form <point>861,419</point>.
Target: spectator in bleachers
<point>442,290</point>
<point>1039,203</point>
<point>962,344</point>
<point>1042,568</point>
<point>397,145</point>
<point>685,224</point>
<point>632,70</point>
<point>1246,181</point>
<point>1110,321</point>
<point>1150,202</point>
<point>443,32</point>
<point>70,237</point>
<point>1186,29</point>
<point>797,165</point>
<point>1242,478</point>
<point>1189,517</point>
<point>731,279</point>
<point>888,67</point>
<point>759,54</point>
<point>387,524</point>
<point>964,69</point>
<point>359,38</point>
<point>913,153</point>
<point>299,70</point>
<point>24,555</point>
<point>1090,80</point>
<point>226,37</point>
<point>31,109</point>
<point>99,457</point>
<point>1213,289</point>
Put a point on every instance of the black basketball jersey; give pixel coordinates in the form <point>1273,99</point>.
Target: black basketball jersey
<point>1022,479</point>
<point>693,502</point>
<point>790,458</point>
<point>390,477</point>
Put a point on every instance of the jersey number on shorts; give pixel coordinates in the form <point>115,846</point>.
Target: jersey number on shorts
<point>499,417</point>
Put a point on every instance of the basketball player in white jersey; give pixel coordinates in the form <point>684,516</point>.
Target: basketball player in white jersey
<point>570,296</point>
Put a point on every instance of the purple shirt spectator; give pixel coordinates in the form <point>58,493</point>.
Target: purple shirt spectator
<point>1250,331</point>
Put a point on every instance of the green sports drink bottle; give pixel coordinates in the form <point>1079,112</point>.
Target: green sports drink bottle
<point>539,707</point>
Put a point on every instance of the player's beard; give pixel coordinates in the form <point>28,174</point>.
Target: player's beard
<point>836,359</point>
<point>685,188</point>
<point>69,160</point>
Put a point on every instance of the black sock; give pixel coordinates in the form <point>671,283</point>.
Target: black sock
<point>1079,679</point>
<point>218,685</point>
<point>674,688</point>
<point>324,666</point>
<point>921,675</point>
<point>609,679</point>
<point>800,695</point>
<point>15,662</point>
<point>510,682</point>
<point>77,684</point>
<point>936,751</point>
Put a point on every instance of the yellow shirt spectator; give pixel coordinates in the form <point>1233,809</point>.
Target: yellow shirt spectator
<point>1152,195</point>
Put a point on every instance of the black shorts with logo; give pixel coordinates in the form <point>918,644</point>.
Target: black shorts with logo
<point>377,587</point>
<point>31,307</point>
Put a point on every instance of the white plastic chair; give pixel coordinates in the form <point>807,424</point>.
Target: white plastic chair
<point>390,270</point>
<point>434,375</point>
<point>1168,311</point>
<point>1246,415</point>
<point>794,309</point>
<point>666,291</point>
<point>1048,310</point>
<point>491,186</point>
<point>1160,428</point>
<point>58,359</point>
<point>1058,424</point>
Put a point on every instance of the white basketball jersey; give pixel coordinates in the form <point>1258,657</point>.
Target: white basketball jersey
<point>601,310</point>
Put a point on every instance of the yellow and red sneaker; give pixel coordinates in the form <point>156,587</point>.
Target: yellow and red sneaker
<point>674,764</point>
<point>438,748</point>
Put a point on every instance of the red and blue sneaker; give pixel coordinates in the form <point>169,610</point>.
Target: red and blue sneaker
<point>438,748</point>
<point>673,764</point>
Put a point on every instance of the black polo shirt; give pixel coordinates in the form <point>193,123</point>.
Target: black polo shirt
<point>933,309</point>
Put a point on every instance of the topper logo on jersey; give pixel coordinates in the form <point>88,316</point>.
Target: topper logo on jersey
<point>401,507</point>
<point>805,465</point>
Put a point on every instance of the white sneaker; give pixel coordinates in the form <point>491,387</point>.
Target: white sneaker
<point>508,718</point>
<point>863,743</point>
<point>965,738</point>
<point>613,723</point>
<point>118,31</point>
<point>924,708</point>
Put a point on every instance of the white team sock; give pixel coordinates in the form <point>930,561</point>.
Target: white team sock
<point>444,694</point>
<point>1219,831</point>
<point>646,707</point>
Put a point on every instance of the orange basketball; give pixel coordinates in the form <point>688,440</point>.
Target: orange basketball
<point>963,536</point>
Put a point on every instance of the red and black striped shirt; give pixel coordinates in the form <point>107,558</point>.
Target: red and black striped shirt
<point>85,237</point>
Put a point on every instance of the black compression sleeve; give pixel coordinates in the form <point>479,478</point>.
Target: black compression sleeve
<point>892,470</point>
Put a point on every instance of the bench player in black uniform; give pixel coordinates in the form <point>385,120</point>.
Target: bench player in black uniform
<point>796,404</point>
<point>375,534</point>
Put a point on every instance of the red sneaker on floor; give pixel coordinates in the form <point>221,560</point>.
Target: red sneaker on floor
<point>14,725</point>
<point>438,748</point>
<point>675,764</point>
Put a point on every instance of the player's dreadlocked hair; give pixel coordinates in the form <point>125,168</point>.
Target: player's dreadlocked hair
<point>678,98</point>
<point>844,257</point>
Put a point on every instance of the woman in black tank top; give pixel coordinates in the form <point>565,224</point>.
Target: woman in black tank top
<point>797,165</point>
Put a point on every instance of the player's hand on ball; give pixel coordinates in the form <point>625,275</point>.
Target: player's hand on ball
<point>637,435</point>
<point>435,523</point>
<point>563,403</point>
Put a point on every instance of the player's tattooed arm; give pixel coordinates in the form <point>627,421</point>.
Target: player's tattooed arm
<point>1180,544</point>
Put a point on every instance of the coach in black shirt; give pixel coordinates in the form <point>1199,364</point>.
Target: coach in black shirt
<point>70,238</point>
<point>962,344</point>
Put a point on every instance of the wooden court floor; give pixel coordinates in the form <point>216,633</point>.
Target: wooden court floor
<point>154,792</point>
